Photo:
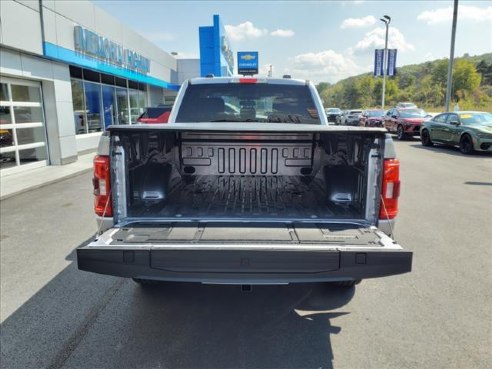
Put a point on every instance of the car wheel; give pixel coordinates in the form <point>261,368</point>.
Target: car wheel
<point>425,138</point>
<point>345,284</point>
<point>466,144</point>
<point>145,282</point>
<point>400,133</point>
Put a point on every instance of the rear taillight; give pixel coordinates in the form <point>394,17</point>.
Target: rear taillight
<point>390,189</point>
<point>102,187</point>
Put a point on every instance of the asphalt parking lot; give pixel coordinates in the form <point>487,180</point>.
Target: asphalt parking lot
<point>438,316</point>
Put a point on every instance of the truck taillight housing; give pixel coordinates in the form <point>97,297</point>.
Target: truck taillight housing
<point>390,190</point>
<point>102,186</point>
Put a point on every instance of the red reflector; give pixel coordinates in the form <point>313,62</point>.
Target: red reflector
<point>102,186</point>
<point>248,80</point>
<point>390,190</point>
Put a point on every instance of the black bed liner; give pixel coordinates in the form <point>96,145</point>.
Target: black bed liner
<point>246,197</point>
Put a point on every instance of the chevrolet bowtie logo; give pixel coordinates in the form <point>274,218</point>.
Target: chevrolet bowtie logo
<point>248,57</point>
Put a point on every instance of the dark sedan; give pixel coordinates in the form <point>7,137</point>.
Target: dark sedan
<point>372,118</point>
<point>404,122</point>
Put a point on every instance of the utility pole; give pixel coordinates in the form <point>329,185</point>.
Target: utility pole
<point>386,19</point>
<point>449,88</point>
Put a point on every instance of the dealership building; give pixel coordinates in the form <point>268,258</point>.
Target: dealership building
<point>68,70</point>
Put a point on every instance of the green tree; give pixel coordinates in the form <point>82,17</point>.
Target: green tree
<point>365,87</point>
<point>322,86</point>
<point>485,71</point>
<point>466,79</point>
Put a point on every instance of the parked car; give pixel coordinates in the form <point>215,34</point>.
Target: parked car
<point>404,122</point>
<point>470,130</point>
<point>154,115</point>
<point>352,118</point>
<point>341,118</point>
<point>406,105</point>
<point>371,118</point>
<point>332,114</point>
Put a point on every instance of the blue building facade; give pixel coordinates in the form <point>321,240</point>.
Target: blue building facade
<point>216,56</point>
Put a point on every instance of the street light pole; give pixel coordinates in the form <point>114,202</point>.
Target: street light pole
<point>386,20</point>
<point>451,57</point>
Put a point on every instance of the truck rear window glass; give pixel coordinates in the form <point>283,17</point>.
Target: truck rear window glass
<point>236,102</point>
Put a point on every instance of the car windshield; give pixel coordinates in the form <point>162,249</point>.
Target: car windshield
<point>355,112</point>
<point>413,113</point>
<point>480,118</point>
<point>248,102</point>
<point>375,113</point>
<point>333,110</point>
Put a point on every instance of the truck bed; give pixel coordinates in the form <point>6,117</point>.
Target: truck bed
<point>246,197</point>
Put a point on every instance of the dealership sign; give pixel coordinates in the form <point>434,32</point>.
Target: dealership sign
<point>379,62</point>
<point>247,62</point>
<point>391,71</point>
<point>92,44</point>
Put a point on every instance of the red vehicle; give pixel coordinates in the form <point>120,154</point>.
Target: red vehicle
<point>372,118</point>
<point>155,115</point>
<point>404,122</point>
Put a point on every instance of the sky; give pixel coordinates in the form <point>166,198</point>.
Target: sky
<point>323,41</point>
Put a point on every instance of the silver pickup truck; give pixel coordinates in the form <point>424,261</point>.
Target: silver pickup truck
<point>247,184</point>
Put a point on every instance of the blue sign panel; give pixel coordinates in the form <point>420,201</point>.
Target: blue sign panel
<point>391,70</point>
<point>216,56</point>
<point>247,62</point>
<point>378,62</point>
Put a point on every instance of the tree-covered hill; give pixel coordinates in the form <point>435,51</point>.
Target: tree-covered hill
<point>424,84</point>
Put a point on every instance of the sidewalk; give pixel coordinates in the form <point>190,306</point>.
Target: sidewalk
<point>17,183</point>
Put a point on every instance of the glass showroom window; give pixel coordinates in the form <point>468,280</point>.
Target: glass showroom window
<point>22,131</point>
<point>122,105</point>
<point>93,107</point>
<point>79,111</point>
<point>109,105</point>
<point>96,106</point>
<point>137,104</point>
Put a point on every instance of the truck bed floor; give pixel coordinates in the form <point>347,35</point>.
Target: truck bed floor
<point>245,197</point>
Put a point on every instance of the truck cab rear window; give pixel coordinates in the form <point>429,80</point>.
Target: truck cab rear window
<point>233,102</point>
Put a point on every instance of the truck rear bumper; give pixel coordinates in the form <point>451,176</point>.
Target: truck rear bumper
<point>243,266</point>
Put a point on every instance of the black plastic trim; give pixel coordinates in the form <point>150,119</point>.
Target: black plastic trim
<point>242,266</point>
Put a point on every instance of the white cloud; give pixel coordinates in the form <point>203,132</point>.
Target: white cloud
<point>282,33</point>
<point>158,36</point>
<point>375,39</point>
<point>358,22</point>
<point>465,12</point>
<point>243,31</point>
<point>326,65</point>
